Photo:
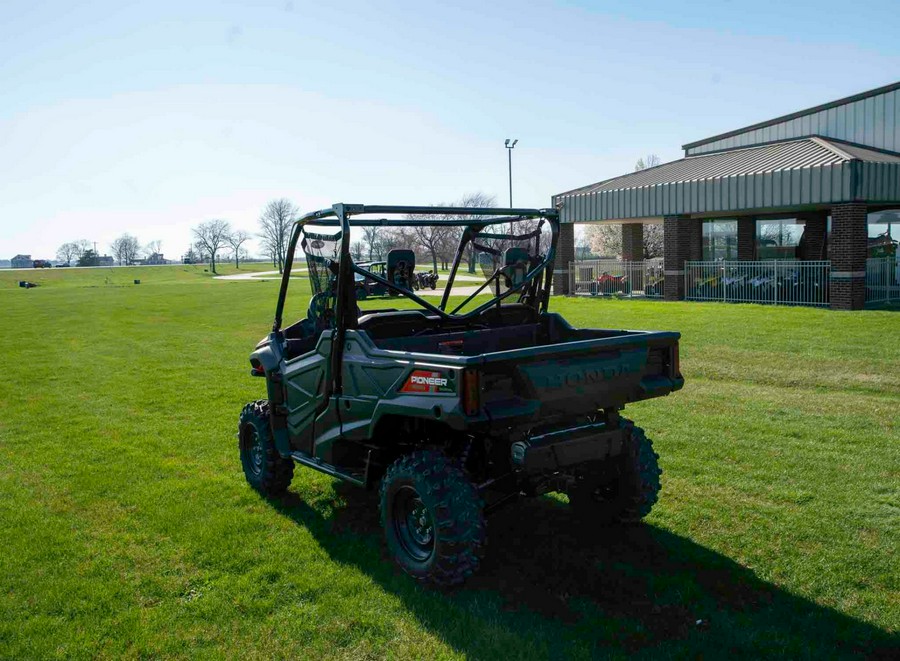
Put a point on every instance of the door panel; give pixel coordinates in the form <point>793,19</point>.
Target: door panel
<point>306,377</point>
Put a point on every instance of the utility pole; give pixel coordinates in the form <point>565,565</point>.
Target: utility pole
<point>510,145</point>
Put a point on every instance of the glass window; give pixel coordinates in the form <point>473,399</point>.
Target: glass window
<point>778,238</point>
<point>719,239</point>
<point>884,231</point>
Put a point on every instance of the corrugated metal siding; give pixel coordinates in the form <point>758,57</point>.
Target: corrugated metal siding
<point>873,121</point>
<point>825,184</point>
<point>779,156</point>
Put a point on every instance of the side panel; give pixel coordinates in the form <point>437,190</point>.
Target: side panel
<point>305,378</point>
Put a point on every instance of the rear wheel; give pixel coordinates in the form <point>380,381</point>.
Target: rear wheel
<point>623,489</point>
<point>266,470</point>
<point>433,518</point>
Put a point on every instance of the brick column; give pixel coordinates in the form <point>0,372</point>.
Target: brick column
<point>676,249</point>
<point>746,239</point>
<point>848,256</point>
<point>632,242</point>
<point>812,243</point>
<point>565,253</point>
<point>696,249</point>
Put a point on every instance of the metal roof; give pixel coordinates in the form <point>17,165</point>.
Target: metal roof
<point>785,119</point>
<point>805,172</point>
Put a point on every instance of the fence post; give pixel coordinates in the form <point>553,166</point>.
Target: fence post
<point>775,280</point>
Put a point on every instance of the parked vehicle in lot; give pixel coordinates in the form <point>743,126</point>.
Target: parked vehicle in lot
<point>454,409</point>
<point>42,264</point>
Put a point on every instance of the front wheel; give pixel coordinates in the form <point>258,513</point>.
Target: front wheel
<point>266,470</point>
<point>433,518</point>
<point>621,489</point>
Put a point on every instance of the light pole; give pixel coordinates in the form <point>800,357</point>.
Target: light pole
<point>510,145</point>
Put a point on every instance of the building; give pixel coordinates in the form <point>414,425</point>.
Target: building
<point>22,262</point>
<point>819,184</point>
<point>155,259</point>
<point>105,260</point>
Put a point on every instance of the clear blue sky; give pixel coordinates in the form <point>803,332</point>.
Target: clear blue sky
<point>151,117</point>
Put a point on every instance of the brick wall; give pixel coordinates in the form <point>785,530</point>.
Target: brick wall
<point>677,249</point>
<point>812,243</point>
<point>632,242</point>
<point>848,256</point>
<point>746,239</point>
<point>696,250</point>
<point>565,253</point>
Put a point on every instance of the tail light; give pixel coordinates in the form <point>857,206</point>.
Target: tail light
<point>471,392</point>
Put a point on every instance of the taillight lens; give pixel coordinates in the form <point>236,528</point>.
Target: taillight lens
<point>471,392</point>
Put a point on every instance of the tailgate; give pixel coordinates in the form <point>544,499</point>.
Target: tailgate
<point>581,376</point>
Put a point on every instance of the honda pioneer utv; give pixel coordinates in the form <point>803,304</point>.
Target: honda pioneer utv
<point>451,408</point>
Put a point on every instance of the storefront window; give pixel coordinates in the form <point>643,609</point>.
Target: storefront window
<point>719,239</point>
<point>883,233</point>
<point>778,238</point>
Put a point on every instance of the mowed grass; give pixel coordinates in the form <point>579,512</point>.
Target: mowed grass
<point>128,529</point>
<point>117,276</point>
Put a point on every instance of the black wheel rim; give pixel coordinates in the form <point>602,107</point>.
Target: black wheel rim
<point>413,524</point>
<point>254,449</point>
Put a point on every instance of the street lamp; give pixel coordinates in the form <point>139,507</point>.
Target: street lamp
<point>510,145</point>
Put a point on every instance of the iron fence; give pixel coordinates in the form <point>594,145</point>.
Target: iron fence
<point>611,277</point>
<point>883,280</point>
<point>776,282</point>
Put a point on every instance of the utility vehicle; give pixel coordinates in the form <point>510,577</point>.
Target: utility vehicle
<point>451,409</point>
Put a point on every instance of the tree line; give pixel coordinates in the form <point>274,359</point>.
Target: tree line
<point>125,250</point>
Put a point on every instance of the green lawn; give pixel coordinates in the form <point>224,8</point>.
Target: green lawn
<point>128,530</point>
<point>117,276</point>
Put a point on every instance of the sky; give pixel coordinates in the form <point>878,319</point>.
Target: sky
<point>151,117</point>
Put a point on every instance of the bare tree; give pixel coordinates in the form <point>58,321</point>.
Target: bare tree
<point>83,246</point>
<point>153,248</point>
<point>211,236</point>
<point>125,249</point>
<point>478,200</point>
<point>433,238</point>
<point>275,228</point>
<point>356,251</point>
<point>236,239</point>
<point>648,161</point>
<point>68,251</point>
<point>370,238</point>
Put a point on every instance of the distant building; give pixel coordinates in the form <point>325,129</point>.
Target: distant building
<point>156,258</point>
<point>817,186</point>
<point>4,264</point>
<point>105,260</point>
<point>22,262</point>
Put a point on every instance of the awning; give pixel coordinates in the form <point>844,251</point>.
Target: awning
<point>796,174</point>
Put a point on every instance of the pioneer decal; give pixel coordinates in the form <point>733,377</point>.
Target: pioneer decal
<point>422,381</point>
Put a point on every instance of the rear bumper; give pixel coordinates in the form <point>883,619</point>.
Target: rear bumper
<point>568,447</point>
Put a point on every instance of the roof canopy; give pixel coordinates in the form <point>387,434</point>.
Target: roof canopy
<point>808,172</point>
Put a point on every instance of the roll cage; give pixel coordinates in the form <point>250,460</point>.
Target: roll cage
<point>473,219</point>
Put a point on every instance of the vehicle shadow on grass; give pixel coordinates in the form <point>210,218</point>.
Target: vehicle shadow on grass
<point>550,588</point>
